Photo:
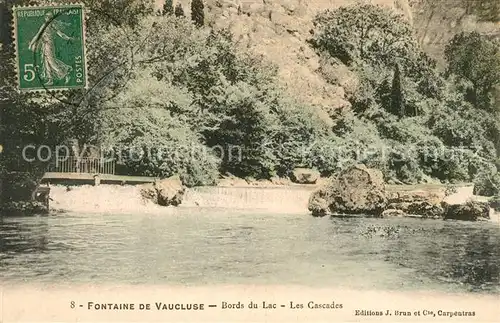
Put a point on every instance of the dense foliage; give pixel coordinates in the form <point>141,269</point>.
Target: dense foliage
<point>476,59</point>
<point>429,127</point>
<point>193,88</point>
<point>179,10</point>
<point>168,7</point>
<point>197,12</point>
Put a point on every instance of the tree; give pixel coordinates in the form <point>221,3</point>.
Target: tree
<point>168,7</point>
<point>367,35</point>
<point>397,105</point>
<point>120,12</point>
<point>179,11</point>
<point>476,59</point>
<point>197,12</point>
<point>146,124</point>
<point>23,121</point>
<point>364,34</point>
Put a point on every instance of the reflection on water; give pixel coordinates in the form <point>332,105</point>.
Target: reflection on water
<point>476,262</point>
<point>19,237</point>
<point>460,253</point>
<point>197,247</point>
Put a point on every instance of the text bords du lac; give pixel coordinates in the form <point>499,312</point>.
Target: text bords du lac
<point>291,305</point>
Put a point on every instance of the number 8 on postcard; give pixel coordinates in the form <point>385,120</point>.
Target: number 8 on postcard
<point>50,47</point>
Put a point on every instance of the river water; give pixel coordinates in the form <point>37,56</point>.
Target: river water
<point>196,246</point>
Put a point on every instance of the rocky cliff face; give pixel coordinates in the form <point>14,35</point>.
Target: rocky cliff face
<point>278,30</point>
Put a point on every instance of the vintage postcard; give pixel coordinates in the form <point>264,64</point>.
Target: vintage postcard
<point>249,161</point>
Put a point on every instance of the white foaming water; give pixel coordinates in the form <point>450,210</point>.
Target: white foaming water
<point>127,199</point>
<point>290,199</point>
<point>461,195</point>
<point>102,199</point>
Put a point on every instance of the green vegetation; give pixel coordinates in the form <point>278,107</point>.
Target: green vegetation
<point>397,105</point>
<point>476,60</point>
<point>179,11</point>
<point>193,89</point>
<point>487,184</point>
<point>430,126</point>
<point>197,12</point>
<point>168,7</point>
<point>171,96</point>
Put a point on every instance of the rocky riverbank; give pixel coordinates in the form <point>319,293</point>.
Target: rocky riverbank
<point>360,191</point>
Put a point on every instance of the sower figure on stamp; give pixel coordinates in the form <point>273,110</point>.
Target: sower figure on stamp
<point>44,41</point>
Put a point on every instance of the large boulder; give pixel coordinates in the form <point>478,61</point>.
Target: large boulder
<point>148,192</point>
<point>319,202</point>
<point>358,190</point>
<point>305,176</point>
<point>470,211</point>
<point>164,192</point>
<point>170,191</point>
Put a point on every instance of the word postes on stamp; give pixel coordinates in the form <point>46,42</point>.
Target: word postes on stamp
<point>50,47</point>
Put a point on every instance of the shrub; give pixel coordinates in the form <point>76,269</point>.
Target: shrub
<point>353,141</point>
<point>475,58</point>
<point>179,11</point>
<point>457,123</point>
<point>199,81</point>
<point>246,124</point>
<point>300,129</point>
<point>197,12</point>
<point>18,186</point>
<point>487,184</point>
<point>168,7</point>
<point>146,127</point>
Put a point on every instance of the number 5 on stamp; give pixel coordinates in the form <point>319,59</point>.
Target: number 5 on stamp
<point>50,47</point>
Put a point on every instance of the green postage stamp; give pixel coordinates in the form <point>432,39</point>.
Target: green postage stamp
<point>50,47</point>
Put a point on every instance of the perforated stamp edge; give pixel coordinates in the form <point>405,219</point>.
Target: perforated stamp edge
<point>84,44</point>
